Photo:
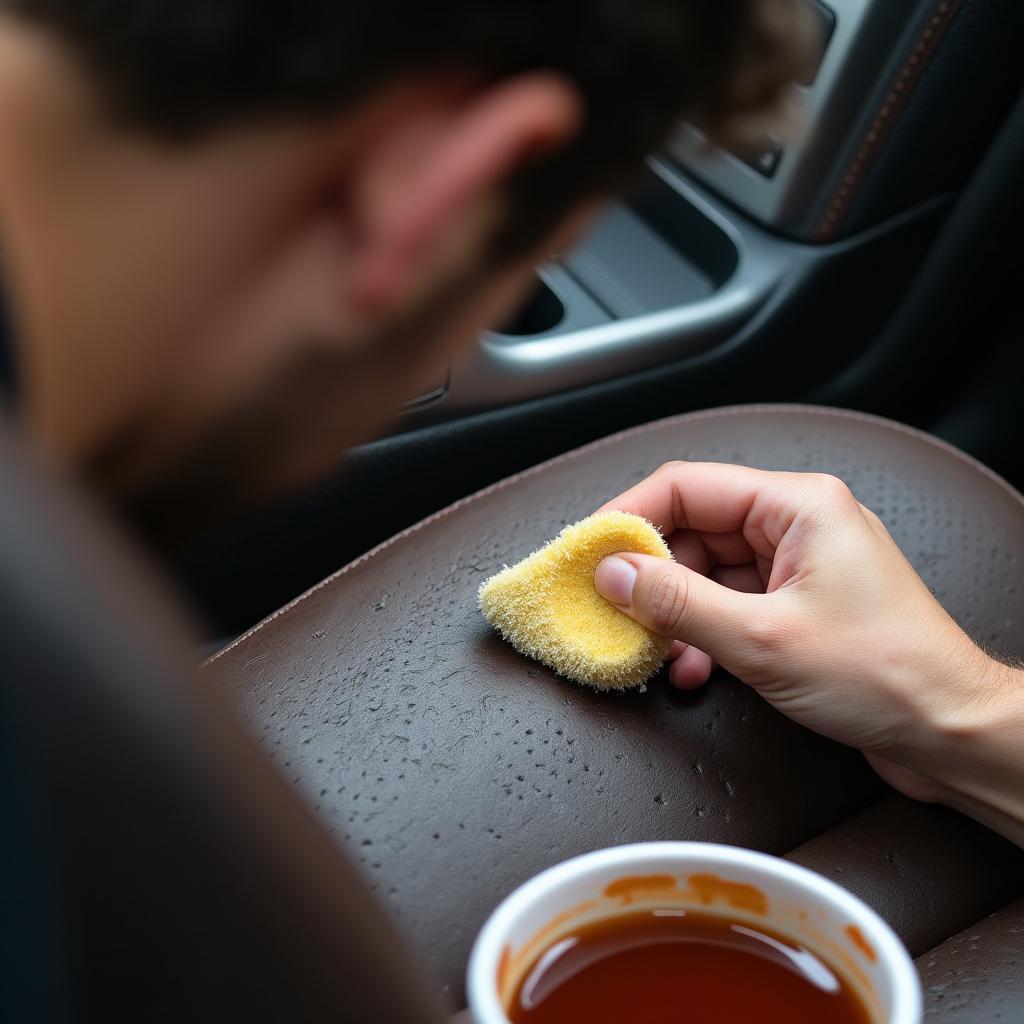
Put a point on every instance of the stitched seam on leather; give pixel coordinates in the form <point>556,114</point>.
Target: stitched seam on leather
<point>810,410</point>
<point>895,101</point>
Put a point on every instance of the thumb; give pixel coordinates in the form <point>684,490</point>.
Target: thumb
<point>674,601</point>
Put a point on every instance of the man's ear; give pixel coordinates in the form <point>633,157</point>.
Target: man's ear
<point>432,180</point>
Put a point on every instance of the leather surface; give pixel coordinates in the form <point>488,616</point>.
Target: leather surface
<point>928,871</point>
<point>977,977</point>
<point>454,770</point>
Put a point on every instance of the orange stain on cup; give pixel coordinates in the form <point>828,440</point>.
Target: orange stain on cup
<point>737,894</point>
<point>628,889</point>
<point>856,936</point>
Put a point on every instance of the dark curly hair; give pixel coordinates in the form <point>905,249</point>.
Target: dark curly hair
<point>181,68</point>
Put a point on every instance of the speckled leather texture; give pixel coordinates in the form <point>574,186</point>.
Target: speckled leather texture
<point>978,975</point>
<point>454,770</point>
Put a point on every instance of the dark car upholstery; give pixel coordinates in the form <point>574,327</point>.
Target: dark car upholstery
<point>454,769</point>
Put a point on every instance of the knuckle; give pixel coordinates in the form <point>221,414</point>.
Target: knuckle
<point>667,601</point>
<point>831,489</point>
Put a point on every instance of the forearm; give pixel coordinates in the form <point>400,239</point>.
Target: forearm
<point>976,757</point>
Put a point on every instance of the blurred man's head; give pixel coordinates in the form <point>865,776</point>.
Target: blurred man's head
<point>238,234</point>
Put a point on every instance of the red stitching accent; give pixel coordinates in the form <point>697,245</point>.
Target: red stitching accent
<point>892,106</point>
<point>672,421</point>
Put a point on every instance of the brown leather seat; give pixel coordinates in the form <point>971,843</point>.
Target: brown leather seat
<point>454,769</point>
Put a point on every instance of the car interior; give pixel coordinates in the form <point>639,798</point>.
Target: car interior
<point>842,301</point>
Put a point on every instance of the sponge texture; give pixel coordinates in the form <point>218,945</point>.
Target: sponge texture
<point>548,609</point>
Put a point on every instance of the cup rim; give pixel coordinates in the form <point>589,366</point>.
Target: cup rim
<point>487,950</point>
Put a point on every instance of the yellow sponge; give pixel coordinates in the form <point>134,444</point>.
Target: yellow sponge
<point>548,609</point>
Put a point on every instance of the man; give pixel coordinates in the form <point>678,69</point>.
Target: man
<point>235,237</point>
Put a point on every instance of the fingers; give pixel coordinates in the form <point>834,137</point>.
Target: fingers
<point>732,565</point>
<point>747,579</point>
<point>689,550</point>
<point>690,670</point>
<point>676,602</point>
<point>695,496</point>
<point>702,551</point>
<point>758,506</point>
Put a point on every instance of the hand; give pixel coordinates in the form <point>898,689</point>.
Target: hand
<point>793,586</point>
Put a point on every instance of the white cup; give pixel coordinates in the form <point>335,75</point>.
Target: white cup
<point>719,881</point>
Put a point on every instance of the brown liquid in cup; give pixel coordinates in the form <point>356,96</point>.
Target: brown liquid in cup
<point>675,967</point>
